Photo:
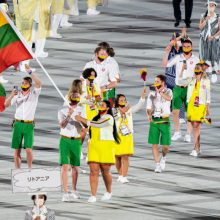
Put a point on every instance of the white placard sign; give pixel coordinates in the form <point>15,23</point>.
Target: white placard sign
<point>36,180</point>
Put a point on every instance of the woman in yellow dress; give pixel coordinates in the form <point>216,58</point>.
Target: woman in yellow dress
<point>124,123</point>
<point>90,95</point>
<point>101,150</point>
<point>198,100</point>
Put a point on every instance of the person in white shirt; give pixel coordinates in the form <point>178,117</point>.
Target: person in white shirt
<point>70,145</point>
<point>187,61</point>
<point>158,112</point>
<point>23,127</point>
<point>104,80</point>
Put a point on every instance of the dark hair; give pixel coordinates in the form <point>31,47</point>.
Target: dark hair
<point>41,195</point>
<point>105,46</point>
<point>3,1</point>
<point>87,73</point>
<point>186,41</point>
<point>117,99</point>
<point>27,78</point>
<point>162,78</point>
<point>97,117</point>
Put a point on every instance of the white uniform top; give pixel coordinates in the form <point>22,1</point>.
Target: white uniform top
<point>188,73</point>
<point>105,123</point>
<point>159,106</point>
<point>73,128</point>
<point>113,67</point>
<point>26,105</point>
<point>104,76</point>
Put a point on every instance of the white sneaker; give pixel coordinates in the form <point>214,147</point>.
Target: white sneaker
<point>194,153</point>
<point>57,36</point>
<point>66,197</point>
<point>2,80</point>
<point>66,24</point>
<point>182,121</point>
<point>124,179</point>
<point>119,178</point>
<point>91,11</point>
<point>73,195</point>
<point>41,54</point>
<point>158,168</point>
<point>176,136</point>
<point>162,163</point>
<point>106,196</point>
<point>92,199</point>
<point>81,156</point>
<point>187,138</point>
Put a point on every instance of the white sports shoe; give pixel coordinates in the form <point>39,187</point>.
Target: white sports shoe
<point>106,196</point>
<point>92,199</point>
<point>119,178</point>
<point>41,54</point>
<point>66,197</point>
<point>73,195</point>
<point>158,168</point>
<point>194,153</point>
<point>187,138</point>
<point>91,11</point>
<point>58,36</point>
<point>66,24</point>
<point>124,179</point>
<point>176,136</point>
<point>182,121</point>
<point>214,78</point>
<point>162,163</point>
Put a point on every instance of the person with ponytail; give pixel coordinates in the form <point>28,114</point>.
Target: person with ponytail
<point>124,122</point>
<point>101,149</point>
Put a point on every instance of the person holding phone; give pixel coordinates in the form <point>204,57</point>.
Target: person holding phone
<point>186,62</point>
<point>25,102</point>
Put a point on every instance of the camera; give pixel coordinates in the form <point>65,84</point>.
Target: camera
<point>152,88</point>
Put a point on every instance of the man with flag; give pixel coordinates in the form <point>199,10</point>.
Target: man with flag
<point>23,127</point>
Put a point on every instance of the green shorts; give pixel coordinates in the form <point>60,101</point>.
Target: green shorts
<point>159,133</point>
<point>70,151</point>
<point>22,131</point>
<point>110,94</point>
<point>179,97</point>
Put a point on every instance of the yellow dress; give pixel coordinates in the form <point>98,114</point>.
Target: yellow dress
<point>195,111</point>
<point>126,146</point>
<point>91,113</point>
<point>100,151</point>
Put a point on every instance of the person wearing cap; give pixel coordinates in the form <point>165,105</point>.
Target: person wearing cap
<point>198,101</point>
<point>209,39</point>
<point>39,211</point>
<point>124,122</point>
<point>177,12</point>
<point>70,145</point>
<point>158,113</point>
<point>25,102</point>
<point>187,60</point>
<point>101,149</point>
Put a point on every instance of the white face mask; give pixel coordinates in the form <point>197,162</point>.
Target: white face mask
<point>39,202</point>
<point>211,9</point>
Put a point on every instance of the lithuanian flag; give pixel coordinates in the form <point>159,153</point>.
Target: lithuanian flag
<point>2,98</point>
<point>12,44</point>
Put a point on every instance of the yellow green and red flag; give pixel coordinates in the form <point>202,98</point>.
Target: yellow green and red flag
<point>12,45</point>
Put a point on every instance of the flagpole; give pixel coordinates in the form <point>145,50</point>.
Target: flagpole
<point>24,42</point>
<point>51,80</point>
